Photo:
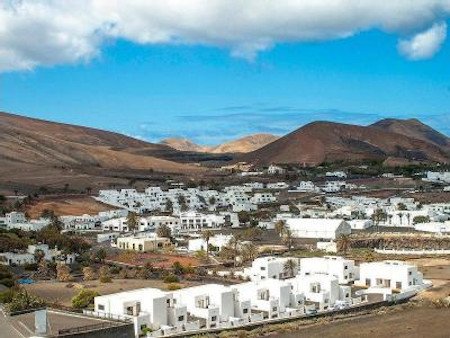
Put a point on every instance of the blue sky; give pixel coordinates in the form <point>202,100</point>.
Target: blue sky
<point>210,93</point>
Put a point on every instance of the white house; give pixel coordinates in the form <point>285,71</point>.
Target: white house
<point>17,220</point>
<point>271,267</point>
<point>319,228</point>
<point>218,241</point>
<point>390,275</point>
<point>435,227</point>
<point>147,243</point>
<point>147,308</point>
<point>275,170</point>
<point>341,268</point>
<point>360,224</point>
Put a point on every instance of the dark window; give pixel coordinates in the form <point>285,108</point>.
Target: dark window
<point>180,318</point>
<point>101,307</point>
<point>213,318</point>
<point>245,311</point>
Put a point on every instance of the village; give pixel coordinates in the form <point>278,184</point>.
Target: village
<point>178,259</point>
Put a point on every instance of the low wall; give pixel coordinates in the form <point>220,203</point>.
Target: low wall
<point>413,252</point>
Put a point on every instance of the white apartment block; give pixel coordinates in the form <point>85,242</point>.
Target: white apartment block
<point>264,268</point>
<point>390,275</point>
<point>343,269</point>
<point>262,198</point>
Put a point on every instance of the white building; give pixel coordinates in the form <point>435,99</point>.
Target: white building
<point>390,275</point>
<point>149,242</point>
<point>360,224</point>
<point>263,198</point>
<point>339,174</point>
<point>343,269</point>
<point>437,177</point>
<point>196,221</point>
<point>319,228</point>
<point>17,220</point>
<point>275,170</point>
<point>271,267</point>
<point>218,241</point>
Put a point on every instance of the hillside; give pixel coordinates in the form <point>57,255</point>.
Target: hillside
<point>183,144</point>
<point>35,152</point>
<point>319,142</point>
<point>415,129</point>
<point>242,145</point>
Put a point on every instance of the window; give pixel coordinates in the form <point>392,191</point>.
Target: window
<point>213,318</point>
<point>143,326</point>
<point>101,307</point>
<point>245,311</point>
<point>367,281</point>
<point>274,309</point>
<point>181,318</point>
<point>345,267</point>
<point>398,285</point>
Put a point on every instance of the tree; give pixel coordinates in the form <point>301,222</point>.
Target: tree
<point>252,234</point>
<point>206,235</point>
<point>289,268</point>
<point>100,255</point>
<point>63,273</point>
<point>88,273</point>
<point>132,221</point>
<point>234,245</point>
<point>164,231</point>
<point>401,206</point>
<point>244,217</point>
<point>178,268</point>
<point>287,238</point>
<point>378,216</point>
<point>169,206</point>
<point>280,226</point>
<point>84,298</point>
<point>212,200</point>
<point>104,275</point>
<point>21,300</point>
<point>249,251</point>
<point>343,243</point>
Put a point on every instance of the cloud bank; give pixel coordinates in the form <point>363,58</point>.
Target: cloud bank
<point>49,32</point>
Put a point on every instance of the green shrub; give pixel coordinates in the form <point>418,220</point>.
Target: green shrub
<point>173,286</point>
<point>171,279</point>
<point>84,299</point>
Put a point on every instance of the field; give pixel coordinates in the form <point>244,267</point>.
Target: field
<point>157,260</point>
<point>61,293</point>
<point>66,205</point>
<point>409,322</point>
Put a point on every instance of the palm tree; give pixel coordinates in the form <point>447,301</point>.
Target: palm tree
<point>234,245</point>
<point>280,226</point>
<point>289,267</point>
<point>343,244</point>
<point>287,238</point>
<point>249,251</point>
<point>206,235</point>
<point>400,215</point>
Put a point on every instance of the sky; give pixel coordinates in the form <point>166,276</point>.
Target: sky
<point>215,70</point>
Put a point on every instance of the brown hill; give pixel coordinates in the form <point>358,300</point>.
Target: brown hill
<point>415,129</point>
<point>35,151</point>
<point>319,142</point>
<point>183,144</point>
<point>245,144</point>
<point>241,145</point>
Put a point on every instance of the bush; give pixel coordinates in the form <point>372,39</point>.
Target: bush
<point>84,299</point>
<point>21,300</point>
<point>171,279</point>
<point>173,286</point>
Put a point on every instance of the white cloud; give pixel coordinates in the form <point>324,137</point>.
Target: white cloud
<point>424,44</point>
<point>49,32</point>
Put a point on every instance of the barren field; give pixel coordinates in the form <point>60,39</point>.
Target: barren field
<point>411,323</point>
<point>156,259</point>
<point>61,293</point>
<point>67,205</point>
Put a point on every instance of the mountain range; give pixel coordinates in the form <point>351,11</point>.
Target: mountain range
<point>35,152</point>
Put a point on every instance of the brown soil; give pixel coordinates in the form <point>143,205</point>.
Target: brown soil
<point>70,205</point>
<point>156,259</point>
<point>57,292</point>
